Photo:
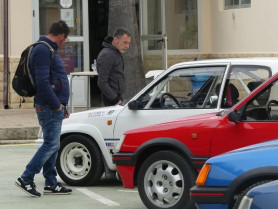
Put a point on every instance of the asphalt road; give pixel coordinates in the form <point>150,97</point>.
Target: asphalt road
<point>109,193</point>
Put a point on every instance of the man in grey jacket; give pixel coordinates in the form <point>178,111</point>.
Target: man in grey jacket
<point>110,67</point>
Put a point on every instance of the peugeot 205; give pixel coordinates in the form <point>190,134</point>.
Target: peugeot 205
<point>224,180</point>
<point>164,159</point>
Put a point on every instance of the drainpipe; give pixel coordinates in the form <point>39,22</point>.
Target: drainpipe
<point>6,57</point>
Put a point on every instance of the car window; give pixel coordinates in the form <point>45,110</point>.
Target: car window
<point>264,106</point>
<point>241,81</point>
<point>185,88</point>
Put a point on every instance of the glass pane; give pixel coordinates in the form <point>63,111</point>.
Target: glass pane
<point>189,88</point>
<point>245,3</point>
<point>72,56</point>
<point>231,4</point>
<point>151,17</point>
<point>182,24</point>
<point>51,10</point>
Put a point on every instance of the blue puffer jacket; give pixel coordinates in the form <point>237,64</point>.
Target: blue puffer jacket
<point>40,60</point>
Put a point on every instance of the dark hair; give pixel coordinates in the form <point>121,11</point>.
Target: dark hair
<point>59,27</point>
<point>119,32</point>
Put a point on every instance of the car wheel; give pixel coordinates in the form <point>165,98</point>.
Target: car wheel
<point>164,181</point>
<point>79,161</point>
<point>239,197</point>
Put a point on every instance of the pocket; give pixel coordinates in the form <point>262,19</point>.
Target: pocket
<point>59,115</point>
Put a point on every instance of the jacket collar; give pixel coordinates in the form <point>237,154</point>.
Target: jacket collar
<point>51,43</point>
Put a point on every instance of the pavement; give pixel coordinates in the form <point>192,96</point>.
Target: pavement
<point>18,126</point>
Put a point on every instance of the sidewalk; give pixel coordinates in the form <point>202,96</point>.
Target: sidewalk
<point>18,126</point>
<point>21,125</point>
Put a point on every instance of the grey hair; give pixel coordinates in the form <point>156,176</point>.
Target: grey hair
<point>119,32</point>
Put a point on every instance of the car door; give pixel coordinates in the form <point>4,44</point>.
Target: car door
<point>258,122</point>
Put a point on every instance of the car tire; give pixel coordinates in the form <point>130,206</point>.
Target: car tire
<point>239,197</point>
<point>79,161</point>
<point>164,181</point>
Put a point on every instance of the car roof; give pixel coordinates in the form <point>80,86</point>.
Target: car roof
<point>252,60</point>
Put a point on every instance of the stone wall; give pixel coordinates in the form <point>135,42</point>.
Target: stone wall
<point>14,101</point>
<point>1,80</point>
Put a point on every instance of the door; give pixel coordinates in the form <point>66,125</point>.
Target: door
<point>258,122</point>
<point>75,54</point>
<point>153,29</point>
<point>168,26</point>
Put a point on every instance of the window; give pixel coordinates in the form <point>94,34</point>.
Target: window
<point>181,24</point>
<point>264,107</point>
<point>189,88</point>
<point>236,4</point>
<point>72,54</point>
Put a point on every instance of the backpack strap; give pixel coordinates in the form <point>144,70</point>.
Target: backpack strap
<point>51,63</point>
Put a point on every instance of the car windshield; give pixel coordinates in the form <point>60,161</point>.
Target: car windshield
<point>201,87</point>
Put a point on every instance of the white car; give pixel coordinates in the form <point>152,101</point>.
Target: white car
<point>89,138</point>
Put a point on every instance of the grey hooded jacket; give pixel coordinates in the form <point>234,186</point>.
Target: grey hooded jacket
<point>110,68</point>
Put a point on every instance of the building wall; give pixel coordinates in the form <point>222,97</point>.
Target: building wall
<point>20,35</point>
<point>247,30</point>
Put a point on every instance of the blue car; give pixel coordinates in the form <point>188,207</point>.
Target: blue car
<point>261,197</point>
<point>225,179</point>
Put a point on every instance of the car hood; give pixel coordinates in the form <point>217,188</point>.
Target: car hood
<point>96,114</point>
<point>233,164</point>
<point>268,188</point>
<point>259,146</point>
<point>204,119</point>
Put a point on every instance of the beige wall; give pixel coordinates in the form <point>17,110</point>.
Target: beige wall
<point>20,24</point>
<point>20,35</point>
<point>248,30</point>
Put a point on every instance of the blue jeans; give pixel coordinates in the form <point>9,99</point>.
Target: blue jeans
<point>45,157</point>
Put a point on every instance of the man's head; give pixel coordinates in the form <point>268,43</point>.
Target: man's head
<point>121,39</point>
<point>59,31</point>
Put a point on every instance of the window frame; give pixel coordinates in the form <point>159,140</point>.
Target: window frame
<point>240,5</point>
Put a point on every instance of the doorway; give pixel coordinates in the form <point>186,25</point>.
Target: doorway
<point>98,27</point>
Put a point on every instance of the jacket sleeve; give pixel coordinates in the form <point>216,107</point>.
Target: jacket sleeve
<point>44,90</point>
<point>104,69</point>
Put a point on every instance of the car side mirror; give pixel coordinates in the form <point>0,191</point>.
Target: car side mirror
<point>233,116</point>
<point>133,105</point>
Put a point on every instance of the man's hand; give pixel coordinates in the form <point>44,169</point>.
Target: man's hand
<point>67,113</point>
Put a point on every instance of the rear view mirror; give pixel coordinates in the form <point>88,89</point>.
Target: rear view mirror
<point>133,105</point>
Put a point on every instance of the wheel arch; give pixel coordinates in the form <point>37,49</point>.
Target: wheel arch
<point>94,134</point>
<point>161,144</point>
<point>251,177</point>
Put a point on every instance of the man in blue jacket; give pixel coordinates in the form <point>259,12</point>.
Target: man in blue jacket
<point>110,67</point>
<point>51,98</point>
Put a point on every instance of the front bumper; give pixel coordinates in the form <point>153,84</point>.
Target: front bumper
<point>125,163</point>
<point>210,195</point>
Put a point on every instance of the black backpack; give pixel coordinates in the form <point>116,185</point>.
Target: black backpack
<point>23,82</point>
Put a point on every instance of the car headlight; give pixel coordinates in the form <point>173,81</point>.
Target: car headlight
<point>246,202</point>
<point>118,146</point>
<point>202,177</point>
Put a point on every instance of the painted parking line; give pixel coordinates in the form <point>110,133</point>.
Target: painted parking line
<point>15,145</point>
<point>97,197</point>
<point>127,191</point>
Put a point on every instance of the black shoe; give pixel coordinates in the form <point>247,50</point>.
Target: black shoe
<point>56,189</point>
<point>28,187</point>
